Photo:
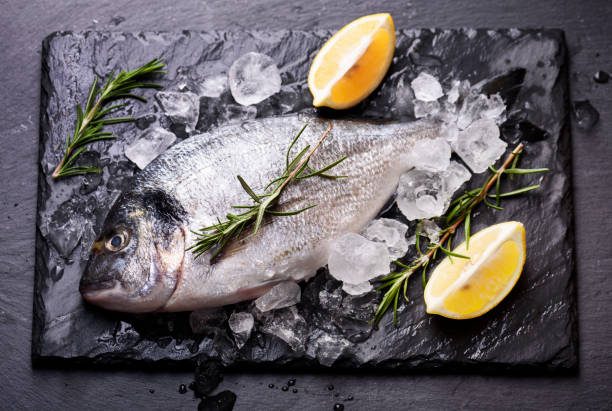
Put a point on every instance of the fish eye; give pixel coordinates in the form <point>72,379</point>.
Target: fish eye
<point>118,240</point>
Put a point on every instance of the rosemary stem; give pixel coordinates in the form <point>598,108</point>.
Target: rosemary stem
<point>90,121</point>
<point>61,163</point>
<point>453,227</point>
<point>305,159</point>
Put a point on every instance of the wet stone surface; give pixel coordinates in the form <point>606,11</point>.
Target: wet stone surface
<point>535,326</point>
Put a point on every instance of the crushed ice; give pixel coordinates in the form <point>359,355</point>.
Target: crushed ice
<point>469,121</point>
<point>180,107</point>
<point>469,124</point>
<point>479,145</point>
<point>430,155</point>
<point>147,147</point>
<point>425,194</point>
<point>253,78</point>
<point>286,324</point>
<point>354,259</point>
<point>214,86</point>
<point>430,229</point>
<point>241,325</point>
<point>357,289</point>
<point>390,232</point>
<point>426,87</point>
<point>284,294</point>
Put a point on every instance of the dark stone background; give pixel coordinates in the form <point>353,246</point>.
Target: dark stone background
<point>24,25</point>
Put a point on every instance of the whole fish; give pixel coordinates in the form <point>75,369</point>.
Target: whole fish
<point>140,263</point>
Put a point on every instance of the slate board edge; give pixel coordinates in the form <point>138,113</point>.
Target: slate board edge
<point>299,364</point>
<point>566,141</point>
<point>38,322</point>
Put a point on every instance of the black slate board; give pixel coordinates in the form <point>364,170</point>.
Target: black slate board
<point>534,327</point>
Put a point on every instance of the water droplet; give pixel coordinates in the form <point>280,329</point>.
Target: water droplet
<point>291,382</point>
<point>182,389</point>
<point>338,407</point>
<point>349,398</point>
<point>601,77</point>
<point>330,387</point>
<point>295,390</point>
<point>152,391</point>
<point>285,388</point>
<point>585,114</point>
<point>270,385</point>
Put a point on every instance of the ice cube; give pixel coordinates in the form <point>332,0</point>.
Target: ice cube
<point>447,114</point>
<point>430,155</point>
<point>214,86</point>
<point>151,144</point>
<point>180,108</point>
<point>417,194</point>
<point>479,145</point>
<point>470,109</point>
<point>207,319</point>
<point>426,87</point>
<point>454,177</point>
<point>354,259</point>
<point>449,131</point>
<point>478,106</point>
<point>286,324</point>
<point>430,229</point>
<point>429,109</point>
<point>284,294</point>
<point>253,78</point>
<point>425,194</point>
<point>459,89</point>
<point>330,348</point>
<point>241,325</point>
<point>390,232</point>
<point>404,97</point>
<point>357,289</point>
<point>234,113</point>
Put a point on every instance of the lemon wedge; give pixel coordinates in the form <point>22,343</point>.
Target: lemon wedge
<point>462,289</point>
<point>352,63</point>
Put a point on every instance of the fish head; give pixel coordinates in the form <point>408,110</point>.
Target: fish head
<point>136,262</point>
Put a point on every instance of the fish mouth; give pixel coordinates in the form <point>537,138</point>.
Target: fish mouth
<point>92,291</point>
<point>102,293</point>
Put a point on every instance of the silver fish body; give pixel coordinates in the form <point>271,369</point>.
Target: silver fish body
<point>140,262</point>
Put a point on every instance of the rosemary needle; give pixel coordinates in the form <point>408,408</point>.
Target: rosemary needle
<point>89,123</point>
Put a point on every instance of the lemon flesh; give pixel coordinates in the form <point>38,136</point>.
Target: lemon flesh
<point>462,289</point>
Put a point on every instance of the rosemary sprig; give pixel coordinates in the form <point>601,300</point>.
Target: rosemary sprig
<point>460,212</point>
<point>89,123</point>
<point>218,235</point>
